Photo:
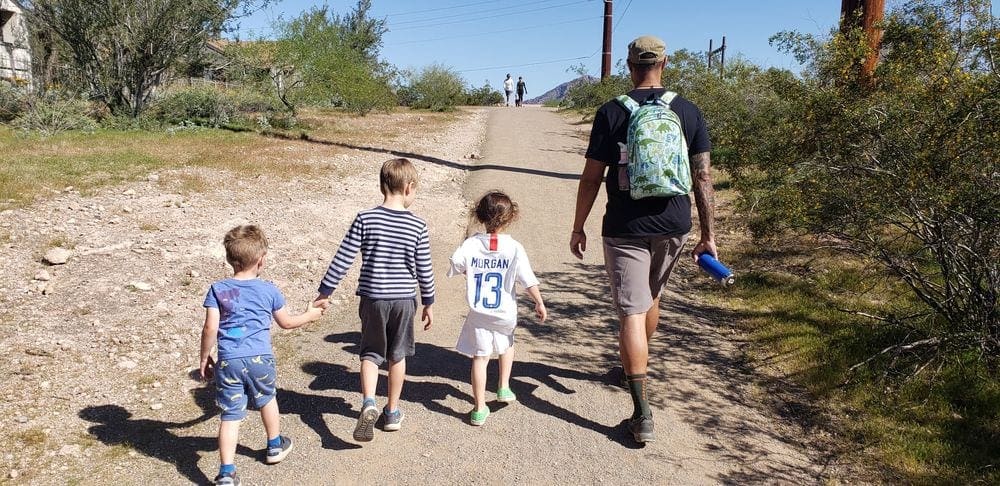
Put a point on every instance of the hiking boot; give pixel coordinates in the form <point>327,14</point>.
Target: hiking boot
<point>392,421</point>
<point>505,395</point>
<point>227,479</point>
<point>364,431</point>
<point>478,417</point>
<point>642,429</point>
<point>277,453</point>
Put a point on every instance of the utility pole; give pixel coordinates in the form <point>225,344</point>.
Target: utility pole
<point>721,51</point>
<point>867,14</point>
<point>606,56</point>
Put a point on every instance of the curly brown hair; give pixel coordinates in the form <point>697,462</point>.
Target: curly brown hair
<point>496,211</point>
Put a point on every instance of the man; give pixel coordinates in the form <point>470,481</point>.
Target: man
<point>643,238</point>
<point>508,88</point>
<point>522,89</point>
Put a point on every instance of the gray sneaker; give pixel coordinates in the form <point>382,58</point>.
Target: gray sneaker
<point>364,431</point>
<point>227,479</point>
<point>277,453</point>
<point>392,421</point>
<point>642,429</point>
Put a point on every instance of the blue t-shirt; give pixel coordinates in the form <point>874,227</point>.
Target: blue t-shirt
<point>246,308</point>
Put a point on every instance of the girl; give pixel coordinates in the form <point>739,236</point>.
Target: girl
<point>492,262</point>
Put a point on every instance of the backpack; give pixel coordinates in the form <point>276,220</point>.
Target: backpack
<point>657,151</point>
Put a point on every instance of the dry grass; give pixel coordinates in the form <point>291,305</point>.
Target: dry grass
<point>33,167</point>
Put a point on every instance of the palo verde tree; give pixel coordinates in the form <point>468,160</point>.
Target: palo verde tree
<point>124,49</point>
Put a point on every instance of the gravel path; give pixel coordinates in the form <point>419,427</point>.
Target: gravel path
<point>108,386</point>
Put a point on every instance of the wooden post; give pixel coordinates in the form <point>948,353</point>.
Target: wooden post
<point>606,56</point>
<point>710,53</point>
<point>722,58</point>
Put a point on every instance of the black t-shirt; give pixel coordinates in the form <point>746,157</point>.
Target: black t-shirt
<point>651,216</point>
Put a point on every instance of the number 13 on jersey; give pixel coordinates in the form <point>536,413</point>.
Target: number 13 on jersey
<point>494,286</point>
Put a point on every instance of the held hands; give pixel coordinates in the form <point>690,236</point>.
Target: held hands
<point>427,317</point>
<point>317,308</point>
<point>705,245</point>
<point>578,243</point>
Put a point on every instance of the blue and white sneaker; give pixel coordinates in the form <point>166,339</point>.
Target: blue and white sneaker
<point>392,421</point>
<point>227,479</point>
<point>364,431</point>
<point>277,453</point>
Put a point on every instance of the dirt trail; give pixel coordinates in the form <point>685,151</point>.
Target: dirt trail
<point>565,428</point>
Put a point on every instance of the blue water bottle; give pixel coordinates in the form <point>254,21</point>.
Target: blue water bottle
<point>716,269</point>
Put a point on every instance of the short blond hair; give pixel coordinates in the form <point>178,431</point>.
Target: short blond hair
<point>244,246</point>
<point>395,175</point>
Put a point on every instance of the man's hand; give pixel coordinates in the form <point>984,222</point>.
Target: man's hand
<point>578,243</point>
<point>321,301</point>
<point>704,246</point>
<point>427,317</point>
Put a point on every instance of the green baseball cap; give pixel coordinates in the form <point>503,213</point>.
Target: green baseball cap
<point>647,49</point>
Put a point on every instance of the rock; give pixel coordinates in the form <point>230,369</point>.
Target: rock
<point>45,385</point>
<point>68,189</point>
<point>153,177</point>
<point>140,286</point>
<point>157,384</point>
<point>43,276</point>
<point>155,406</point>
<point>57,256</point>
<point>129,192</point>
<point>13,474</point>
<point>70,450</point>
<point>126,210</point>
<point>128,364</point>
<point>193,274</point>
<point>42,286</point>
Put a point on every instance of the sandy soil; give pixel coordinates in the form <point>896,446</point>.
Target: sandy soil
<point>97,379</point>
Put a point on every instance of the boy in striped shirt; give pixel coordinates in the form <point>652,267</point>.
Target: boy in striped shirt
<point>395,257</point>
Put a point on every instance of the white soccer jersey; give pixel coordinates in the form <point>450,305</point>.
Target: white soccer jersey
<point>492,264</point>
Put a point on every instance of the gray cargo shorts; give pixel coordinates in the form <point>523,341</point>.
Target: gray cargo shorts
<point>386,329</point>
<point>638,268</point>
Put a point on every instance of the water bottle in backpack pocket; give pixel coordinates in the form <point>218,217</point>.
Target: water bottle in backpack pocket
<point>657,151</point>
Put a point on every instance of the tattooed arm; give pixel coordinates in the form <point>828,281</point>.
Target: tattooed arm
<point>704,198</point>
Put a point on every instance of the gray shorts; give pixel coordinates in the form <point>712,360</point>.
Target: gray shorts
<point>638,268</point>
<point>386,329</point>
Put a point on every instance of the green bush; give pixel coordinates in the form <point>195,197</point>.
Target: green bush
<point>12,102</point>
<point>588,95</point>
<point>52,114</point>
<point>483,96</point>
<point>435,88</point>
<point>203,106</point>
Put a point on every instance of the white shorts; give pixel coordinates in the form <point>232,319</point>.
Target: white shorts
<point>476,341</point>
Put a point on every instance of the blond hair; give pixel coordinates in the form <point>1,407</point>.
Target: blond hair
<point>395,175</point>
<point>244,246</point>
<point>496,211</point>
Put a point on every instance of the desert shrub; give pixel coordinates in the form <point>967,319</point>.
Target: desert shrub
<point>12,102</point>
<point>588,95</point>
<point>204,106</point>
<point>483,96</point>
<point>52,114</point>
<point>435,88</point>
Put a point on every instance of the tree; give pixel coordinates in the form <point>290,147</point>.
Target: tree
<point>124,49</point>
<point>320,58</point>
<point>901,168</point>
<point>435,87</point>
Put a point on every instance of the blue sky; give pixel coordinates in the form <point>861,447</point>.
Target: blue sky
<point>541,39</point>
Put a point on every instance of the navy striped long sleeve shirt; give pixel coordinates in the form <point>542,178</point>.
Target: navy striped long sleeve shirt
<point>395,256</point>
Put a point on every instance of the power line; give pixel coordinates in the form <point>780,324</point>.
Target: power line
<point>425,23</point>
<point>525,64</point>
<point>622,16</point>
<point>479,34</point>
<point>411,12</point>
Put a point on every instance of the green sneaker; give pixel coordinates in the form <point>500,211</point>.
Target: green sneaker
<point>478,417</point>
<point>505,395</point>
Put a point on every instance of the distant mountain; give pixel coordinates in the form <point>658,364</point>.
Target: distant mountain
<point>559,92</point>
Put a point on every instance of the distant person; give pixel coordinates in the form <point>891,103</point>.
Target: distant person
<point>492,263</point>
<point>643,234</point>
<point>522,89</point>
<point>238,314</point>
<point>395,258</point>
<point>508,87</point>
